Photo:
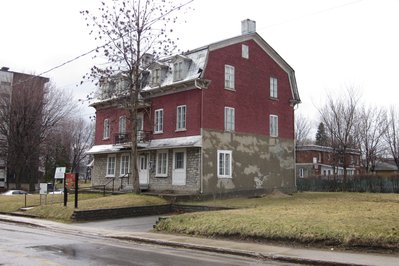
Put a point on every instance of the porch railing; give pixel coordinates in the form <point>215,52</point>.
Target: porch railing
<point>142,136</point>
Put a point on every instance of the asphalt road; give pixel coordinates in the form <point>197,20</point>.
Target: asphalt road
<point>26,245</point>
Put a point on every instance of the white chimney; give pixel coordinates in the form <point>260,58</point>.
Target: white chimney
<point>248,26</point>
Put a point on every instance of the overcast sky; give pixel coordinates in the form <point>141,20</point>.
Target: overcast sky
<point>331,44</point>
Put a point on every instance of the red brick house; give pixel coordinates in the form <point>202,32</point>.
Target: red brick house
<point>314,160</point>
<point>217,119</point>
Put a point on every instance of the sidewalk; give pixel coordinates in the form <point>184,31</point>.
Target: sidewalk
<point>286,254</point>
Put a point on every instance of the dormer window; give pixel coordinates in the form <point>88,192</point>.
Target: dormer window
<point>156,76</point>
<point>178,71</point>
<point>181,65</point>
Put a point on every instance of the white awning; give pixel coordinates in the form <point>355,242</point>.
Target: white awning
<point>99,149</point>
<point>182,142</point>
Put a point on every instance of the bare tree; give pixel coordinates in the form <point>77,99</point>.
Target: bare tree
<point>82,140</point>
<point>302,130</point>
<point>134,31</point>
<point>34,108</point>
<point>369,133</point>
<point>339,115</point>
<point>391,134</point>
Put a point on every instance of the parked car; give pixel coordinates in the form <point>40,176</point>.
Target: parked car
<point>58,191</point>
<point>14,192</point>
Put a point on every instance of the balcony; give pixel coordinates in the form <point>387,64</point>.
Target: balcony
<point>142,136</point>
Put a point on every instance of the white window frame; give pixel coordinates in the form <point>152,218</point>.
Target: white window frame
<point>124,169</point>
<point>181,112</point>
<point>111,166</point>
<point>273,126</point>
<point>106,129</point>
<point>273,87</point>
<point>178,71</point>
<point>122,124</point>
<point>158,121</point>
<point>161,164</point>
<point>245,51</point>
<point>229,119</point>
<point>156,76</point>
<point>229,73</point>
<point>183,151</point>
<point>224,165</point>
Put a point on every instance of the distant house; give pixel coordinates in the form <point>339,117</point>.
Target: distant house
<point>314,160</point>
<point>386,168</point>
<point>214,120</point>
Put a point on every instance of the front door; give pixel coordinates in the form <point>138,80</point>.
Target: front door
<point>143,171</point>
<point>179,167</point>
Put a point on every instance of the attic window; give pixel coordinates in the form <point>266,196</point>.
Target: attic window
<point>178,71</point>
<point>156,76</point>
<point>245,51</point>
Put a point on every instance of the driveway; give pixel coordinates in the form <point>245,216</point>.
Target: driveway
<point>135,224</point>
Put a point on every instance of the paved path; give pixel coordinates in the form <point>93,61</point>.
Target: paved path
<point>287,254</point>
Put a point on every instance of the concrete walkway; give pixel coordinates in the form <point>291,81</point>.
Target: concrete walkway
<point>279,253</point>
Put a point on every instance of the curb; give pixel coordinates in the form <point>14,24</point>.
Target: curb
<point>237,252</point>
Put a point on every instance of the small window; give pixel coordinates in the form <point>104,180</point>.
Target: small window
<point>273,87</point>
<point>179,160</point>
<point>301,172</point>
<point>122,125</point>
<point>273,126</point>
<point>181,118</point>
<point>124,164</point>
<point>156,76</point>
<point>178,71</point>
<point>229,114</point>
<point>111,166</point>
<point>106,129</point>
<point>158,128</point>
<point>229,77</point>
<point>224,164</point>
<point>245,51</point>
<point>162,163</point>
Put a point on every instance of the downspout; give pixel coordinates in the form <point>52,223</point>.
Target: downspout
<point>201,129</point>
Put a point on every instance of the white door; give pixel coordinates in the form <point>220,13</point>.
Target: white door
<point>179,167</point>
<point>143,170</point>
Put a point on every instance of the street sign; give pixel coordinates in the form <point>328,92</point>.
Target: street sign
<point>43,188</point>
<point>59,173</point>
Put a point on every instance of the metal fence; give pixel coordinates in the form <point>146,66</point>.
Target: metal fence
<point>359,183</point>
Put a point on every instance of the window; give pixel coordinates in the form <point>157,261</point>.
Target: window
<point>124,164</point>
<point>301,172</point>
<point>273,87</point>
<point>140,127</point>
<point>158,128</point>
<point>245,51</point>
<point>224,164</point>
<point>181,118</point>
<point>178,71</point>
<point>106,129</point>
<point>111,166</point>
<point>162,163</point>
<point>229,77</point>
<point>229,119</point>
<point>273,125</point>
<point>122,125</point>
<point>179,160</point>
<point>156,76</point>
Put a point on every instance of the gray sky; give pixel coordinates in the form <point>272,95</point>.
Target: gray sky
<point>331,44</point>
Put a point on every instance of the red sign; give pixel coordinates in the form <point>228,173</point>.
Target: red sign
<point>70,180</point>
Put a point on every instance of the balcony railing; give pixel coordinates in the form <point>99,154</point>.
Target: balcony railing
<point>142,136</point>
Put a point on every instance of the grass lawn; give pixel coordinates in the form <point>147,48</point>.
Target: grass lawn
<point>54,208</point>
<point>339,219</point>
